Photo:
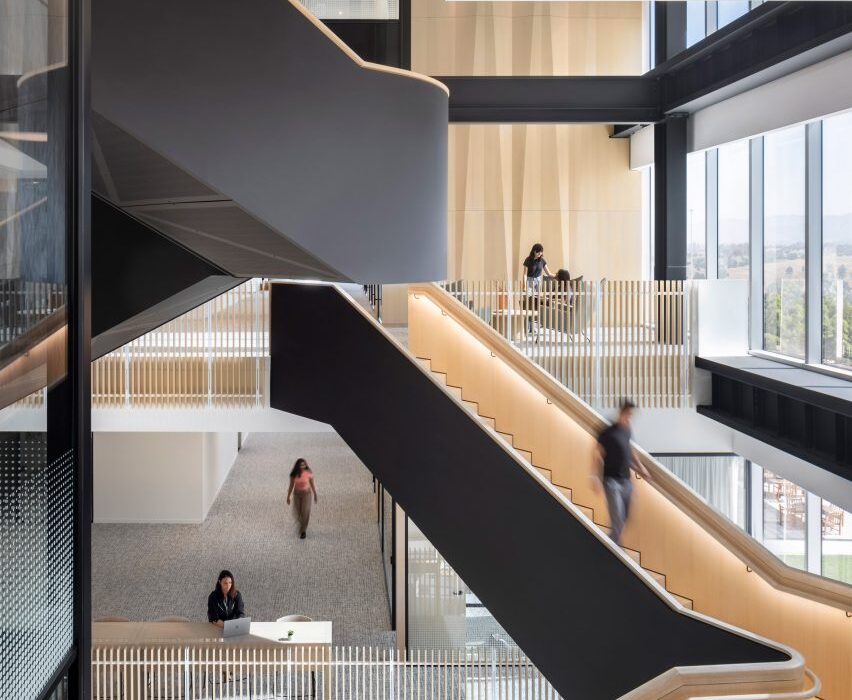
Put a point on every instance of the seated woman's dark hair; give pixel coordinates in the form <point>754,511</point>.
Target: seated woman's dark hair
<point>537,248</point>
<point>295,471</point>
<point>224,573</point>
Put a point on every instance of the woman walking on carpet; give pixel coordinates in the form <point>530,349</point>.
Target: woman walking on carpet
<point>301,487</point>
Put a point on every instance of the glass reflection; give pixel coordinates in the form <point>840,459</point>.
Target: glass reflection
<point>696,214</point>
<point>784,242</point>
<point>836,542</point>
<point>734,210</point>
<point>36,470</point>
<point>729,10</point>
<point>784,519</point>
<point>837,240</point>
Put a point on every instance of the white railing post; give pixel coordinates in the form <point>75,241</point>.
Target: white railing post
<point>208,349</point>
<point>597,330</point>
<point>126,352</point>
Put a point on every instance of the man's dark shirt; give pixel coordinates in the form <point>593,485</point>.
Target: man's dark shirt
<point>618,456</point>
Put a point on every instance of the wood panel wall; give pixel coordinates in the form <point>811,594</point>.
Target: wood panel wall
<point>526,38</point>
<point>567,186</point>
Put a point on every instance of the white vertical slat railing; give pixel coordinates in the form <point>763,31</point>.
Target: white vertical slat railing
<point>214,355</point>
<point>605,340</point>
<point>231,672</point>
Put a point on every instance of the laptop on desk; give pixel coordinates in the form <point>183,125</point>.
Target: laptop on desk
<point>236,628</point>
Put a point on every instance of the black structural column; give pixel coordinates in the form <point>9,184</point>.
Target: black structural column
<point>669,30</point>
<point>670,198</point>
<point>80,340</point>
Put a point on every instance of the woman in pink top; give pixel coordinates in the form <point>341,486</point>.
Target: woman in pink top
<point>301,486</point>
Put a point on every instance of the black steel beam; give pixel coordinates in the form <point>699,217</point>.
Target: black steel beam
<point>810,422</point>
<point>767,35</point>
<point>607,99</point>
<point>764,37</point>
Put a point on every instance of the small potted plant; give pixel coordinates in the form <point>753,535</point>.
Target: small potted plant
<point>290,634</point>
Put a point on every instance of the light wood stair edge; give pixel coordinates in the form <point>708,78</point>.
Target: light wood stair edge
<point>547,473</point>
<point>750,552</point>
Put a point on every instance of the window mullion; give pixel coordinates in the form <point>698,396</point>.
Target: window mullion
<point>756,244</point>
<point>712,214</point>
<point>813,528</point>
<point>813,243</point>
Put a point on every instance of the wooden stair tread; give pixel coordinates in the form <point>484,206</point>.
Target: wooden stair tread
<point>685,602</point>
<point>506,436</point>
<point>633,554</point>
<point>455,391</point>
<point>589,513</point>
<point>657,576</point>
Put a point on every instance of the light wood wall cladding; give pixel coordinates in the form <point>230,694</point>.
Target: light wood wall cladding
<point>526,38</point>
<point>696,564</point>
<point>566,186</point>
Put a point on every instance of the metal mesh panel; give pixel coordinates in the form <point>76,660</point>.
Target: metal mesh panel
<point>353,9</point>
<point>36,508</point>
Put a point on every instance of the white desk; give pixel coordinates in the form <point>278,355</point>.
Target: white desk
<point>262,634</point>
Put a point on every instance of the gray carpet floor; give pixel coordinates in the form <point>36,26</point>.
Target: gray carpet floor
<point>148,571</point>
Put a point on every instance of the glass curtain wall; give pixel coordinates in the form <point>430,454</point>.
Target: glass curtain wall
<point>733,179</point>
<point>729,10</point>
<point>785,184</point>
<point>774,510</point>
<point>785,508</point>
<point>696,215</point>
<point>837,240</point>
<point>36,460</point>
<point>784,242</point>
<point>836,542</point>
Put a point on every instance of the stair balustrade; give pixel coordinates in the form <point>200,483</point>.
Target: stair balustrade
<point>605,340</point>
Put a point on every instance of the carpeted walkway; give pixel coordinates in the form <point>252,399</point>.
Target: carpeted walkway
<point>147,571</point>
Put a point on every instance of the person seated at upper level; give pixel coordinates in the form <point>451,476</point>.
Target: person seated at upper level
<point>225,602</point>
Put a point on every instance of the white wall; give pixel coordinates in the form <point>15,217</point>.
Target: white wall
<point>220,451</point>
<point>143,477</point>
<point>679,430</point>
<point>153,420</point>
<point>642,148</point>
<point>148,477</point>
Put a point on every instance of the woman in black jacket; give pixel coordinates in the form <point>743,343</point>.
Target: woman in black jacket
<point>225,602</point>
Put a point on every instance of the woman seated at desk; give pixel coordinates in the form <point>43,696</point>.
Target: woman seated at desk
<point>225,602</point>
